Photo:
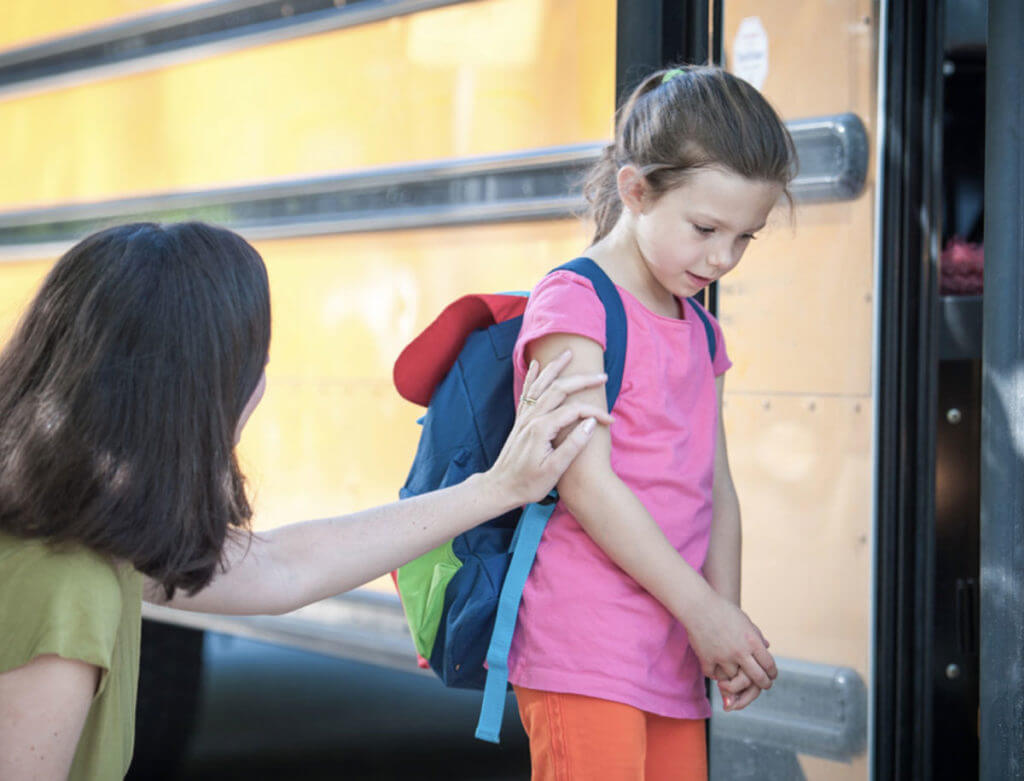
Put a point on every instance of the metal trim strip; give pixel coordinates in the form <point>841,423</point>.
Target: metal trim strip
<point>186,34</point>
<point>539,184</point>
<point>361,625</point>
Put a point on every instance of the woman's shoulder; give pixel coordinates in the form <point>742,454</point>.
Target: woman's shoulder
<point>65,600</point>
<point>40,574</point>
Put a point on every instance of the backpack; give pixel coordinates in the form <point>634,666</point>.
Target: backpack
<point>461,599</point>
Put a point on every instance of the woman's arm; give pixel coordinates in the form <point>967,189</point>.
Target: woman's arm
<point>291,566</point>
<point>43,706</point>
<point>721,635</point>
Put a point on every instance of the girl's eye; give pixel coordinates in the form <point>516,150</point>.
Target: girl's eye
<point>703,230</point>
<point>748,237</point>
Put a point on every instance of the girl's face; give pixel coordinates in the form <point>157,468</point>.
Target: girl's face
<point>697,232</point>
<point>251,404</point>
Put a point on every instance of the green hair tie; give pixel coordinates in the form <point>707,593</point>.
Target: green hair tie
<point>671,75</point>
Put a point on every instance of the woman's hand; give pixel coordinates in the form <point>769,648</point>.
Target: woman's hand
<point>529,466</point>
<point>731,650</point>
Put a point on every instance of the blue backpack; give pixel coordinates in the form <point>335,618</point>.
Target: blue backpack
<point>462,599</point>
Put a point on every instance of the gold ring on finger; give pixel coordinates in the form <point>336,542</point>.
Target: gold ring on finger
<point>528,400</point>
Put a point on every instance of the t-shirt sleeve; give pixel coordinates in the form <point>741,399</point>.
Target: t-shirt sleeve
<point>562,303</point>
<point>63,604</point>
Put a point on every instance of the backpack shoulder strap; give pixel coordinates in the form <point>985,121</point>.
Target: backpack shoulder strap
<point>614,322</point>
<point>709,330</point>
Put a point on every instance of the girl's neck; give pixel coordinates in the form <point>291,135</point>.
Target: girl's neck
<point>620,258</point>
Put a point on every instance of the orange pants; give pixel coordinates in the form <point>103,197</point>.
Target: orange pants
<point>577,738</point>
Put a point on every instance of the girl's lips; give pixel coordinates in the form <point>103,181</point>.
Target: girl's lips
<point>699,279</point>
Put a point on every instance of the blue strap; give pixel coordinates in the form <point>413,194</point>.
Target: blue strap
<point>708,329</point>
<point>528,533</point>
<point>614,322</point>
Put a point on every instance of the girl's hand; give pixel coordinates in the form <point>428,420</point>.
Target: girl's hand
<point>738,692</point>
<point>727,644</point>
<point>528,466</point>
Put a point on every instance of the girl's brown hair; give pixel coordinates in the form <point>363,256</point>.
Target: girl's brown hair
<point>684,118</point>
<point>121,392</point>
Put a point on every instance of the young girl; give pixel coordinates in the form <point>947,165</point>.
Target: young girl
<point>122,396</point>
<point>634,595</point>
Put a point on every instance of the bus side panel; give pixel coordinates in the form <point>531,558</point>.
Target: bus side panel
<point>26,24</point>
<point>421,87</point>
<point>798,317</point>
<point>21,279</point>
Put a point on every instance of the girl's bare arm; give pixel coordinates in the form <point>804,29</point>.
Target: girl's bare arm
<point>294,565</point>
<point>722,564</point>
<point>722,636</point>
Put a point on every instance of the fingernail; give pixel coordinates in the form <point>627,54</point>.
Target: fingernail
<point>588,425</point>
<point>565,352</point>
<point>532,364</point>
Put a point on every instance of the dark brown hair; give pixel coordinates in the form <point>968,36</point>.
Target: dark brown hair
<point>120,394</point>
<point>701,116</point>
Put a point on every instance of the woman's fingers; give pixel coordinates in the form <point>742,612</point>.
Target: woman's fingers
<point>531,375</point>
<point>564,454</point>
<point>533,389</point>
<point>556,420</point>
<point>564,387</point>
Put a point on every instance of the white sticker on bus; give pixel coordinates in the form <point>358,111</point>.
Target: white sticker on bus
<point>750,51</point>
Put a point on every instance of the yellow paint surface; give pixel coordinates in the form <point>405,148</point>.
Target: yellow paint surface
<point>798,316</point>
<point>18,283</point>
<point>411,88</point>
<point>26,23</point>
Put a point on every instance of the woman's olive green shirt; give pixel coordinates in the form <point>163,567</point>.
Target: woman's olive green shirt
<point>79,605</point>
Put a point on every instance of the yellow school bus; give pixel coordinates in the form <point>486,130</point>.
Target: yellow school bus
<point>387,157</point>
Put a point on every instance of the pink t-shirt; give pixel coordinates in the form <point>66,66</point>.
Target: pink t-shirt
<point>585,626</point>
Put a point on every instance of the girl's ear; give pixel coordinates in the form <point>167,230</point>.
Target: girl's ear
<point>632,188</point>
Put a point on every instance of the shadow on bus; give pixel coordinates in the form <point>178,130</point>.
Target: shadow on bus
<point>269,712</point>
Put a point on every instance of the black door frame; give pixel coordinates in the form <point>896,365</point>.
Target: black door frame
<point>1001,727</point>
<point>910,193</point>
<point>650,34</point>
